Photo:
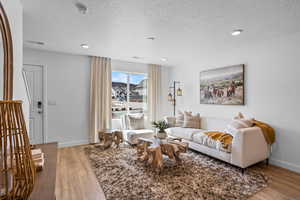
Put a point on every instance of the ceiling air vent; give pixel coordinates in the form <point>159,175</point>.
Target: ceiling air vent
<point>36,42</point>
<point>81,8</point>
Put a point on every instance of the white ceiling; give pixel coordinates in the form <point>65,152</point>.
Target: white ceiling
<point>118,28</point>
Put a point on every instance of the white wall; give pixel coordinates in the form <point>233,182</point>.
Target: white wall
<point>272,90</point>
<point>68,83</point>
<point>166,108</point>
<point>124,66</point>
<point>14,11</point>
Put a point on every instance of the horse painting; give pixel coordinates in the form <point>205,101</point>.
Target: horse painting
<point>223,86</point>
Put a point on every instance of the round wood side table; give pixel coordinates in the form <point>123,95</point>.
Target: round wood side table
<point>109,137</point>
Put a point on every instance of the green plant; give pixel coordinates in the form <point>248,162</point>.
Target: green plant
<point>161,125</point>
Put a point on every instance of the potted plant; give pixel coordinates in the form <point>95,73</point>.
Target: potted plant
<point>161,126</point>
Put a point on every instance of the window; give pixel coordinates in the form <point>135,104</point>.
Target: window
<point>129,93</point>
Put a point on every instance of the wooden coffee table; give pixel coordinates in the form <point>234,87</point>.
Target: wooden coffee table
<point>152,150</point>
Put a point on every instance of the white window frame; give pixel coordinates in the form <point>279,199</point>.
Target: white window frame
<point>128,73</point>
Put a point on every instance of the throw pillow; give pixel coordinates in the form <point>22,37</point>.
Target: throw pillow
<point>171,121</point>
<point>136,122</point>
<point>179,119</point>
<point>191,121</point>
<point>239,122</point>
<point>239,116</point>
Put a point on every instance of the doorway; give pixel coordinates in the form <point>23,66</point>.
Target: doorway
<point>34,77</point>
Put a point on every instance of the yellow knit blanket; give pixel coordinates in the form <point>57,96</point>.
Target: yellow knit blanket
<point>224,138</point>
<point>268,131</point>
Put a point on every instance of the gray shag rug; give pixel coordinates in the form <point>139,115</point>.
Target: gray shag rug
<point>122,176</point>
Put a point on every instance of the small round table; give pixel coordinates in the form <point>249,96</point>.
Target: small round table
<point>109,137</point>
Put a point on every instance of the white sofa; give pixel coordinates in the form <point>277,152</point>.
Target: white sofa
<point>248,145</point>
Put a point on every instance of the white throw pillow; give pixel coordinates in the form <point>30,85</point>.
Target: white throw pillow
<point>171,121</point>
<point>136,122</point>
<point>239,116</point>
<point>179,119</point>
<point>239,122</point>
<point>191,121</point>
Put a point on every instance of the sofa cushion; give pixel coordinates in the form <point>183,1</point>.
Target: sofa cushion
<point>191,121</point>
<point>125,120</point>
<point>203,139</point>
<point>171,121</point>
<point>237,123</point>
<point>179,119</point>
<point>241,121</point>
<point>185,133</point>
<point>132,136</point>
<point>136,122</point>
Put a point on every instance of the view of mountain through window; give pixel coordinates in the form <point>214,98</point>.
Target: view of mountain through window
<point>129,93</point>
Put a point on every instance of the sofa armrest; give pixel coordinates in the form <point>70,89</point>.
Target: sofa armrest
<point>249,147</point>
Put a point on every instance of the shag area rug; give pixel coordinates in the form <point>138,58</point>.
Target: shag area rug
<point>122,176</point>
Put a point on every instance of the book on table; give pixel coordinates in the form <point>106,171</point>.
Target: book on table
<point>38,158</point>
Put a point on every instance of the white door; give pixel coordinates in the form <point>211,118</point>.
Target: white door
<point>33,76</point>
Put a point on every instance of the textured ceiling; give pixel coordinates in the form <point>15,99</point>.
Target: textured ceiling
<point>118,28</point>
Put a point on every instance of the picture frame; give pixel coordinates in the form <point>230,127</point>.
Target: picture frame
<point>223,86</point>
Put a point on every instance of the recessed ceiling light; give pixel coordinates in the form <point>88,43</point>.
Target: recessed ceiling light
<point>236,32</point>
<point>150,38</point>
<point>163,59</point>
<point>35,42</point>
<point>83,9</point>
<point>85,46</point>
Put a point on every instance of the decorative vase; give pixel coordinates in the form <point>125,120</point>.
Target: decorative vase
<point>161,134</point>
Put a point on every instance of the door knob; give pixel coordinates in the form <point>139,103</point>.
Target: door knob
<point>39,104</point>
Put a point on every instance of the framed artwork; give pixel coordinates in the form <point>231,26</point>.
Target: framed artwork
<point>223,86</point>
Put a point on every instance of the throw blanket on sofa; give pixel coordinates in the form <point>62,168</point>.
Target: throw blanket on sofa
<point>268,131</point>
<point>224,138</point>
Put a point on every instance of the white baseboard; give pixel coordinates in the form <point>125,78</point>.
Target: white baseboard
<point>72,143</point>
<point>284,164</point>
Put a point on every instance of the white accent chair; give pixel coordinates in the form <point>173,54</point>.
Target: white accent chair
<point>248,146</point>
<point>131,136</point>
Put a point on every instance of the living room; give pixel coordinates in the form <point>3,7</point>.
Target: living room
<point>128,100</point>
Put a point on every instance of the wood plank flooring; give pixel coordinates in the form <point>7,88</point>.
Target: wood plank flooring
<point>76,181</point>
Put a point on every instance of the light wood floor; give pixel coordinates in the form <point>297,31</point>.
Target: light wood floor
<point>76,180</point>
